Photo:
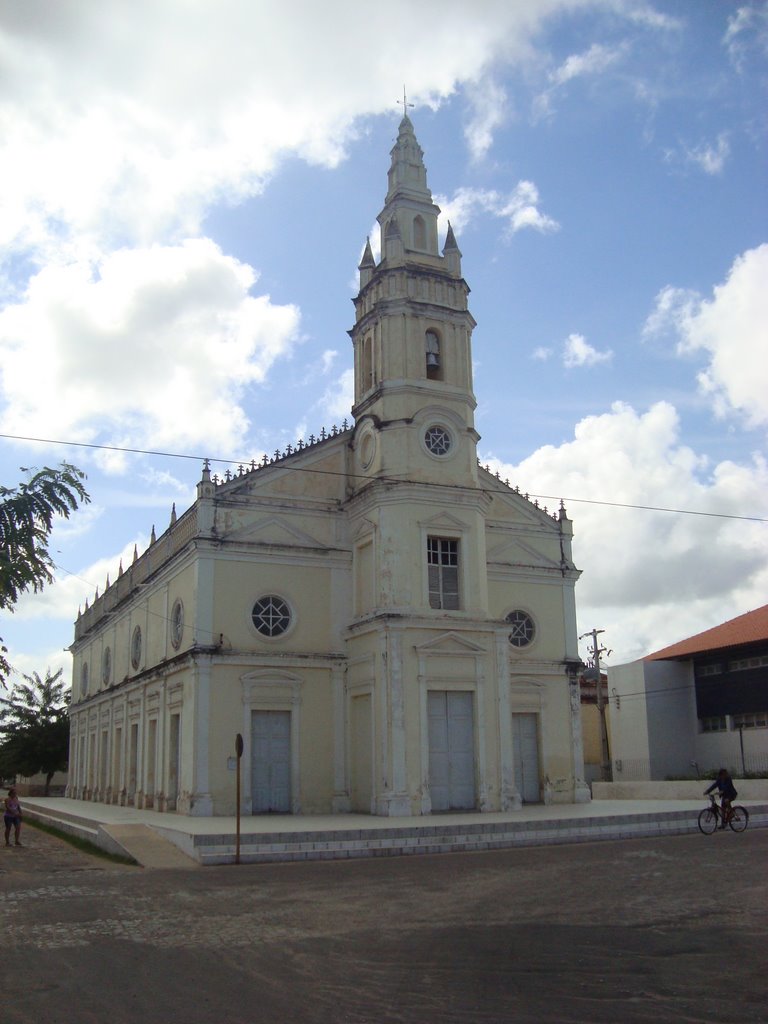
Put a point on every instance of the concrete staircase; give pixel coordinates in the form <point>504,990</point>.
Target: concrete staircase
<point>173,842</point>
<point>422,839</point>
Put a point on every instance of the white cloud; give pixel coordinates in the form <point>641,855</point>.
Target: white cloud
<point>731,328</point>
<point>652,577</point>
<point>124,123</point>
<point>590,63</point>
<point>709,157</point>
<point>542,353</point>
<point>489,107</point>
<point>54,659</point>
<point>336,403</point>
<point>61,599</point>
<point>80,523</point>
<point>151,348</point>
<point>578,352</point>
<point>747,31</point>
<point>648,16</point>
<point>518,208</point>
<point>328,358</point>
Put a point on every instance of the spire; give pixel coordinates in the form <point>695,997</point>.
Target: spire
<point>407,173</point>
<point>367,259</point>
<point>409,218</point>
<point>367,264</point>
<point>450,241</point>
<point>452,252</point>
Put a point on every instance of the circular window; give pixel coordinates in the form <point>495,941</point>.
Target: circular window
<point>84,678</point>
<point>271,615</point>
<point>523,629</point>
<point>367,449</point>
<point>136,647</point>
<point>177,624</point>
<point>106,665</point>
<point>437,440</point>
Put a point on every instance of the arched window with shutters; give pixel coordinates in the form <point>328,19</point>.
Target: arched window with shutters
<point>419,233</point>
<point>368,369</point>
<point>433,356</point>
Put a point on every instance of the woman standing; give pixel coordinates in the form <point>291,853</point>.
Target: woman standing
<point>12,817</point>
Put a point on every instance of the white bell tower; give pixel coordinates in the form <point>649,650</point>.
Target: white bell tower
<point>414,403</point>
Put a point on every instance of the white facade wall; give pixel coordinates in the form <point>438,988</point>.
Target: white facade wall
<point>338,711</point>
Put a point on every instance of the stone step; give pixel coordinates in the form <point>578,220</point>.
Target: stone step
<point>328,845</point>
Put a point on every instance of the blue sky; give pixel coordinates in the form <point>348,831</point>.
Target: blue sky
<point>185,189</point>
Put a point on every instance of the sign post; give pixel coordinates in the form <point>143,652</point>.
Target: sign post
<point>239,752</point>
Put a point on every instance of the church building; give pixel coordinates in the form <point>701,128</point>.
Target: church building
<point>389,627</point>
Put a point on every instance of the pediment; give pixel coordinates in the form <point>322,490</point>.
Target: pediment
<point>450,643</point>
<point>275,530</point>
<point>272,677</point>
<point>520,510</point>
<point>444,521</point>
<point>513,551</point>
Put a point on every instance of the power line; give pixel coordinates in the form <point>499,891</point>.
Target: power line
<point>389,479</point>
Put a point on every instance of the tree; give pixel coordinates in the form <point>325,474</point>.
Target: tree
<point>34,723</point>
<point>26,519</point>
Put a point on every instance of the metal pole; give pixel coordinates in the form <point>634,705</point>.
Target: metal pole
<point>605,767</point>
<point>239,753</point>
<point>741,744</point>
<point>606,772</point>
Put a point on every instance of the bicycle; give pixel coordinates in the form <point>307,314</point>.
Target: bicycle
<point>710,816</point>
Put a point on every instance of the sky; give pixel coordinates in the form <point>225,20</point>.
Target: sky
<point>185,191</point>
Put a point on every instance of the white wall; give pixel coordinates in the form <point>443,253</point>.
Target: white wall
<point>652,711</point>
<point>670,701</point>
<point>629,725</point>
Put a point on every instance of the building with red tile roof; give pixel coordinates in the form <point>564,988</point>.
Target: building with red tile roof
<point>697,704</point>
<point>750,628</point>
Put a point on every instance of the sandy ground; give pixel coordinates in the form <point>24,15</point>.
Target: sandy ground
<point>605,932</point>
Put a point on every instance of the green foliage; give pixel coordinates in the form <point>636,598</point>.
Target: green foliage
<point>27,513</point>
<point>34,724</point>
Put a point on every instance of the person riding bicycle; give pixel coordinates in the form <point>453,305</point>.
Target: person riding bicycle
<point>727,793</point>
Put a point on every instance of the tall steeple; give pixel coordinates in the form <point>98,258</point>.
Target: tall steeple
<point>412,336</point>
<point>409,201</point>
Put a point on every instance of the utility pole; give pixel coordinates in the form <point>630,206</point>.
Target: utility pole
<point>596,650</point>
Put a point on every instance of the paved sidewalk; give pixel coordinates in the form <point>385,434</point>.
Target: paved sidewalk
<point>255,824</point>
<point>161,839</point>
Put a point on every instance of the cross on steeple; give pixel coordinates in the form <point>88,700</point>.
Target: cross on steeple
<point>405,103</point>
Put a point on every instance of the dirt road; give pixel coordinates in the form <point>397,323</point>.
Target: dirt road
<point>607,932</point>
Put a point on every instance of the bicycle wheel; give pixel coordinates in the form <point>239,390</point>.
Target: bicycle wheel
<point>707,821</point>
<point>739,819</point>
